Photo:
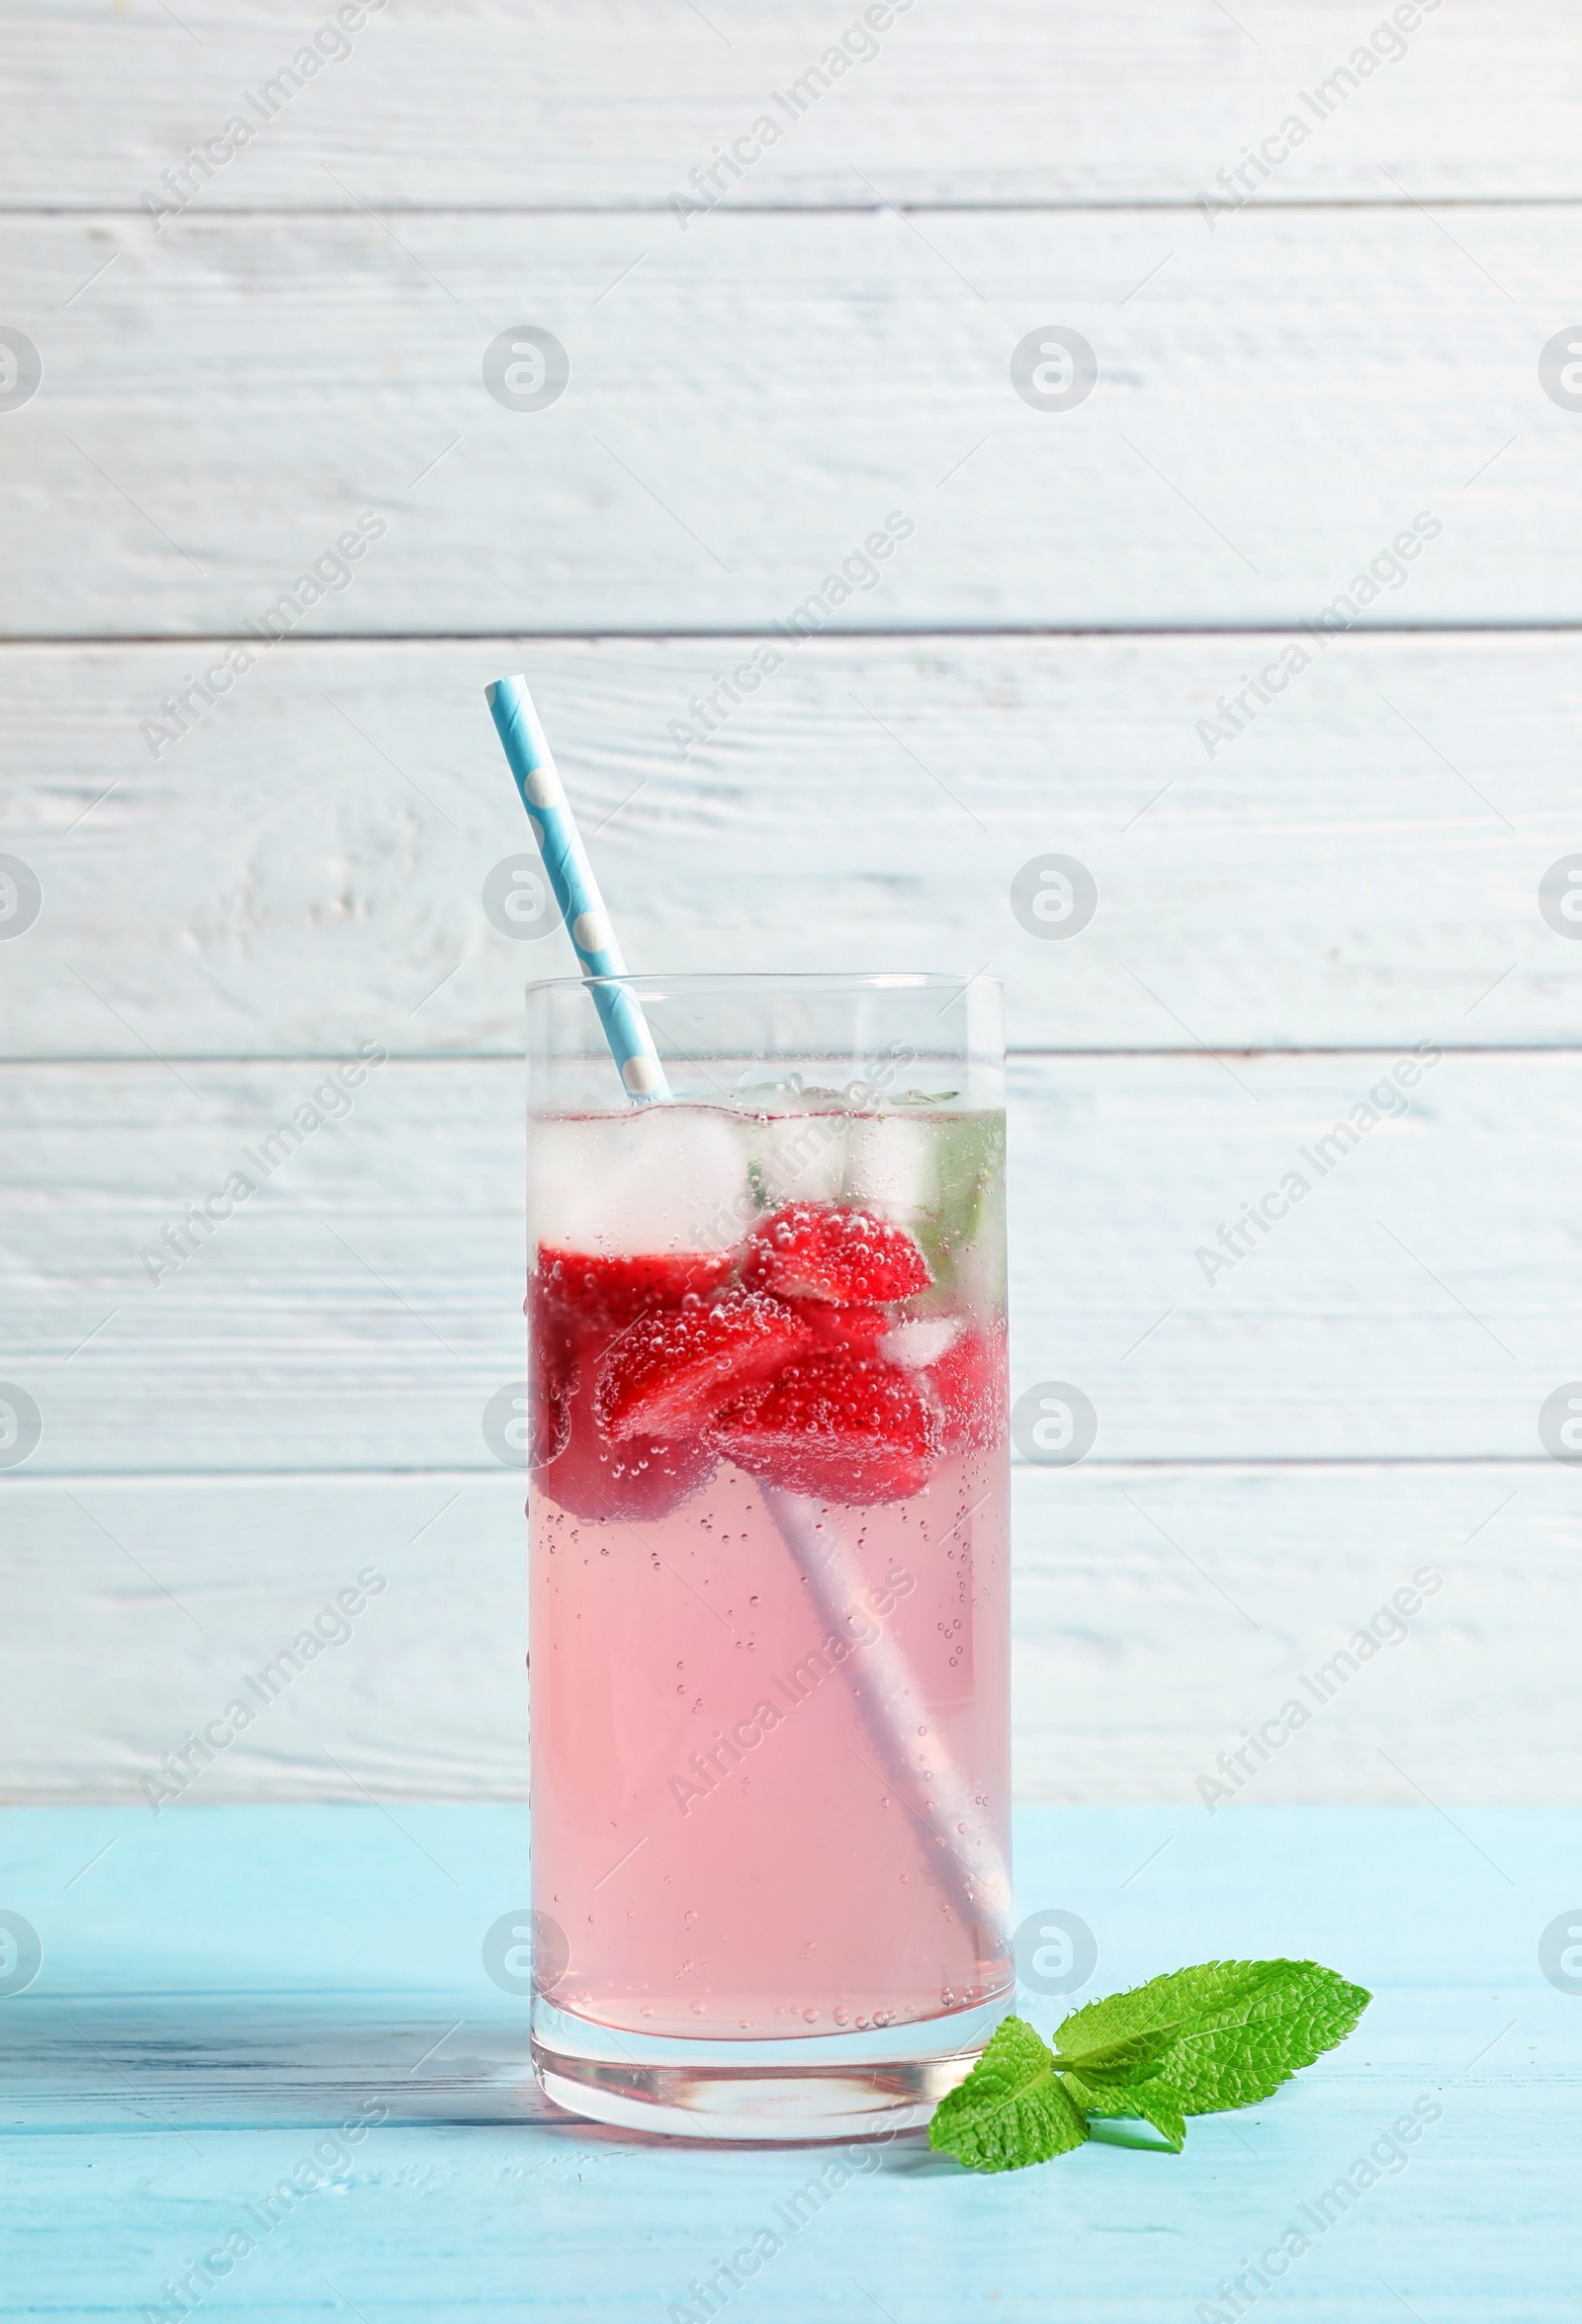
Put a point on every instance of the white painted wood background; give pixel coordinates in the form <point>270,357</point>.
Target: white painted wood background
<point>1279,392</point>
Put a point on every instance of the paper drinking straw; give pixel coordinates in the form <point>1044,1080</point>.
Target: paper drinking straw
<point>914,1762</point>
<point>575,890</point>
<point>958,1846</point>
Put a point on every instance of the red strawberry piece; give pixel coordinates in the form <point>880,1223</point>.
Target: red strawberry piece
<point>968,1387</point>
<point>856,1329</point>
<point>577,1300</point>
<point>640,1481</point>
<point>551,1428</point>
<point>604,1292</point>
<point>669,1373</point>
<point>577,1466</point>
<point>552,1375</point>
<point>842,1428</point>
<point>822,1250</point>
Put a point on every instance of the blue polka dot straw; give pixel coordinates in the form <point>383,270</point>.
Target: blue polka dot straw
<point>575,890</point>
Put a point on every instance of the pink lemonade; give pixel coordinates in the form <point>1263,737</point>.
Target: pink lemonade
<point>769,1619</point>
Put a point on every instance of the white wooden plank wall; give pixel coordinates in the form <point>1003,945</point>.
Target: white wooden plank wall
<point>308,861</point>
<point>1283,386</point>
<point>595,105</point>
<point>1276,402</point>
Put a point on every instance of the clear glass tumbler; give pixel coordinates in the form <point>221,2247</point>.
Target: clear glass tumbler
<point>770,1620</point>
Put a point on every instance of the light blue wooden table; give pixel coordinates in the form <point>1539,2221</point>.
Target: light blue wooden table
<point>220,1988</point>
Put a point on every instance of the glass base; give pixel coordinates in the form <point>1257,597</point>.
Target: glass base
<point>834,2086</point>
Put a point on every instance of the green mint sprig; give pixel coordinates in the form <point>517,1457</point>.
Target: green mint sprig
<point>1197,2042</point>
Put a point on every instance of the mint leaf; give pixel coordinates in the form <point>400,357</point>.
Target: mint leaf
<point>1223,2034</point>
<point>1013,2108</point>
<point>1238,2029</point>
<point>1122,2059</point>
<point>1154,2103</point>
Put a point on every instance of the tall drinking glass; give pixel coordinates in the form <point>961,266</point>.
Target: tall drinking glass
<point>769,1589</point>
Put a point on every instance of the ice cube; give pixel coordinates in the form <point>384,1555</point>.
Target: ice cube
<point>921,1340</point>
<point>798,1156</point>
<point>661,1177</point>
<point>894,1164</point>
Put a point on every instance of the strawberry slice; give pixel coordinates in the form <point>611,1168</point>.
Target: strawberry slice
<point>576,1300</point>
<point>573,1463</point>
<point>968,1387</point>
<point>670,1372</point>
<point>552,1369</point>
<point>858,1329</point>
<point>603,1292</point>
<point>824,1251</point>
<point>842,1428</point>
<point>640,1481</point>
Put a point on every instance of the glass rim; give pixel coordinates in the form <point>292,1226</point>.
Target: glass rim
<point>793,980</point>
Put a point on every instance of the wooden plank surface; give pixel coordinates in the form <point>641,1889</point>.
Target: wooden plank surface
<point>1276,404</point>
<point>305,867</point>
<point>613,103</point>
<point>360,1309</point>
<point>1162,1612</point>
<point>358,1946</point>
